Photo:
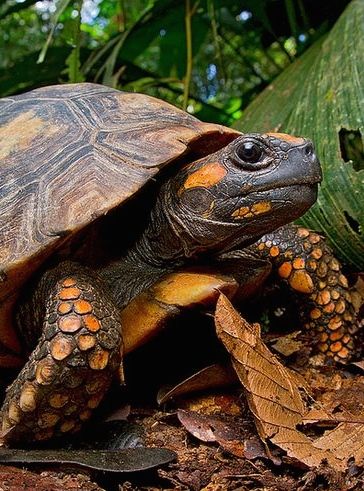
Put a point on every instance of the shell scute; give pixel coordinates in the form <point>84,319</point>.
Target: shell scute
<point>69,154</point>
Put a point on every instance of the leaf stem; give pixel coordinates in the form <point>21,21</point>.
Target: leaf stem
<point>188,76</point>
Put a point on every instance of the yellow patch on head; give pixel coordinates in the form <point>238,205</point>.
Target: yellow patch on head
<point>241,212</point>
<point>256,209</point>
<point>261,207</point>
<point>18,133</point>
<point>288,138</point>
<point>206,176</point>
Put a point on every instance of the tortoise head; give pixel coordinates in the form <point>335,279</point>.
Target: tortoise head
<point>252,186</point>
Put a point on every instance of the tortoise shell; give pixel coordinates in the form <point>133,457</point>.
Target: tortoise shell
<point>69,154</point>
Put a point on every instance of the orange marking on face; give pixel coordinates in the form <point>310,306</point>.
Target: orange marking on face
<point>206,176</point>
<point>241,212</point>
<point>257,209</point>
<point>285,270</point>
<point>261,207</point>
<point>83,307</point>
<point>91,323</point>
<point>307,246</point>
<point>288,138</point>
<point>71,293</point>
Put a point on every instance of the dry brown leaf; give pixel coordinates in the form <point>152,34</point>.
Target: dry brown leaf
<point>218,403</point>
<point>288,344</point>
<point>211,377</point>
<point>272,392</point>
<point>359,364</point>
<point>346,439</point>
<point>209,428</point>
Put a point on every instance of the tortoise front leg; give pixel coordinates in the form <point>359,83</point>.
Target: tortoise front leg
<point>72,365</point>
<point>306,263</point>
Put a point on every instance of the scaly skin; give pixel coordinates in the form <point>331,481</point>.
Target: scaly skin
<point>199,212</point>
<point>306,263</point>
<point>70,370</point>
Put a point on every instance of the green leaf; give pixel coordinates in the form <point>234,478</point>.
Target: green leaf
<point>27,75</point>
<point>73,63</point>
<point>6,10</point>
<point>321,96</point>
<point>61,7</point>
<point>73,66</point>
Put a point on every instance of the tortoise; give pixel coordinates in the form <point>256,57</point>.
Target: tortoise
<point>72,158</point>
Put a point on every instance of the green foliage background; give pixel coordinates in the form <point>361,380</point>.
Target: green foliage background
<point>209,56</point>
<point>321,96</point>
<point>212,58</point>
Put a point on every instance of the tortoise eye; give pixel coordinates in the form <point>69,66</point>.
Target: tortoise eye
<point>249,152</point>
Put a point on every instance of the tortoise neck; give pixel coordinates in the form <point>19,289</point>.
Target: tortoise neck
<point>157,251</point>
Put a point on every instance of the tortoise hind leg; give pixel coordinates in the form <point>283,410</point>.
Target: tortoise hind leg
<point>73,363</point>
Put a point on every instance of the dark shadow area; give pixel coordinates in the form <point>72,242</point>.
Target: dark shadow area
<point>351,148</point>
<point>354,224</point>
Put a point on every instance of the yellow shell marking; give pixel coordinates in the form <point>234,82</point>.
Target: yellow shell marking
<point>19,132</point>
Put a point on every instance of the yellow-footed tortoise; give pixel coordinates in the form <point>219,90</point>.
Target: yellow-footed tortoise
<point>70,155</point>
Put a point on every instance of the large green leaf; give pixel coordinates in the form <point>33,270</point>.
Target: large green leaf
<point>321,96</point>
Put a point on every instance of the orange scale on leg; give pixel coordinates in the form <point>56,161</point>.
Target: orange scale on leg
<point>91,323</point>
<point>69,293</point>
